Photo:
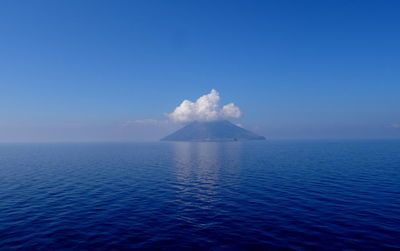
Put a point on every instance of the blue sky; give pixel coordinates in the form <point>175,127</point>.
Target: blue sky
<point>87,70</point>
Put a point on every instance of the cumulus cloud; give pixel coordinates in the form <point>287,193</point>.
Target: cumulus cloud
<point>206,108</point>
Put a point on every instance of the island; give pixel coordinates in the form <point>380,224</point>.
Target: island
<point>222,130</point>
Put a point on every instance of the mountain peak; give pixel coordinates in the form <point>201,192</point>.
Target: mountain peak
<point>221,130</point>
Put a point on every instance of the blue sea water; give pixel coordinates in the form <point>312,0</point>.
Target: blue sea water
<point>300,195</point>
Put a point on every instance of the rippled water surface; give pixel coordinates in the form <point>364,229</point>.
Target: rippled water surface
<point>323,195</point>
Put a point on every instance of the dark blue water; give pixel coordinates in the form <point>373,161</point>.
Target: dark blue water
<point>322,195</point>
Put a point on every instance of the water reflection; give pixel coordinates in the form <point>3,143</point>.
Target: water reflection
<point>198,168</point>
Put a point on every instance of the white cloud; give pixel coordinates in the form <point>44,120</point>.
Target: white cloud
<point>146,122</point>
<point>395,125</point>
<point>206,108</point>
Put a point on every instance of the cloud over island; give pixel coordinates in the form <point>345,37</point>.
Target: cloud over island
<point>205,108</point>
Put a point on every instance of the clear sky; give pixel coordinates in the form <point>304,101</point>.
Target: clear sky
<point>111,70</point>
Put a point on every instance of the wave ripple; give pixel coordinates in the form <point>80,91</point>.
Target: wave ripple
<point>301,195</point>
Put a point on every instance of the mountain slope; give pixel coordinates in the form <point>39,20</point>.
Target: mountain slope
<point>212,131</point>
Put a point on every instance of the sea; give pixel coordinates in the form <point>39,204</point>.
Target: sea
<point>259,195</point>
